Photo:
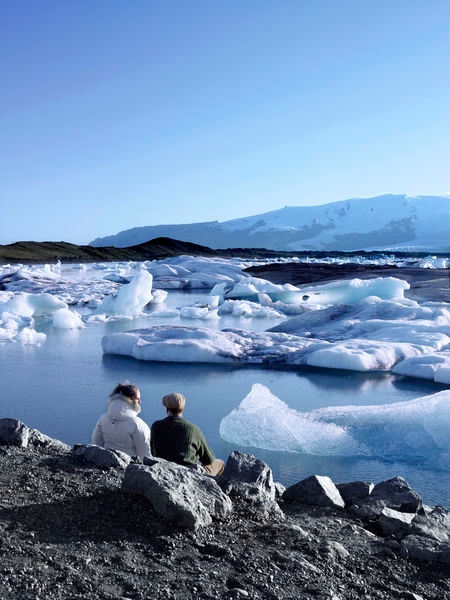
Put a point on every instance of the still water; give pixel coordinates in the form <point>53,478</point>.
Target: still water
<point>61,388</point>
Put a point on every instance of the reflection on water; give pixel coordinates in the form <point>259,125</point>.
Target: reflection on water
<point>62,387</point>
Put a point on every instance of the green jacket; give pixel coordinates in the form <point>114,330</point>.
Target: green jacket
<point>180,441</point>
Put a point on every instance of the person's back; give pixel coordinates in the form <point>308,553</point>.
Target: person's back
<point>180,441</point>
<point>120,428</point>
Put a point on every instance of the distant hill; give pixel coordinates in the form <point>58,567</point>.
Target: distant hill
<point>383,223</point>
<point>159,248</point>
<point>65,252</point>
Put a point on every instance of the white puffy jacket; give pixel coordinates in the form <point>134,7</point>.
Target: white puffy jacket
<point>121,429</point>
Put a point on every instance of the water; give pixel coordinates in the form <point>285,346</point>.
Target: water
<point>61,388</point>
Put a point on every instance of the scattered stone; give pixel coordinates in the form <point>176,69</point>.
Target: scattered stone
<point>395,523</point>
<point>435,524</point>
<point>66,524</point>
<point>101,457</point>
<point>248,478</point>
<point>39,440</point>
<point>13,433</point>
<point>355,491</point>
<point>316,490</point>
<point>397,494</point>
<point>426,549</point>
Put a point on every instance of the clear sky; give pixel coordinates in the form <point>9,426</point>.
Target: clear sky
<point>121,113</point>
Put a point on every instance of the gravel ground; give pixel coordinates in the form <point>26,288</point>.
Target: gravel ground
<point>68,531</point>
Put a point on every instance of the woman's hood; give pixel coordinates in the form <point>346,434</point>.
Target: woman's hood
<point>119,409</point>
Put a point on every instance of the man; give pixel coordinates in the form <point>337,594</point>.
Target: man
<point>180,441</point>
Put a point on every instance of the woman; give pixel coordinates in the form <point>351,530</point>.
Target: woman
<point>120,428</point>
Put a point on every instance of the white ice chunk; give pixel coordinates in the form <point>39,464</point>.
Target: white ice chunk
<point>174,344</point>
<point>159,296</point>
<point>65,318</point>
<point>28,305</point>
<point>251,287</point>
<point>354,290</point>
<point>263,421</point>
<point>197,344</point>
<point>434,366</point>
<point>30,336</point>
<point>403,430</point>
<point>131,298</point>
<point>197,312</point>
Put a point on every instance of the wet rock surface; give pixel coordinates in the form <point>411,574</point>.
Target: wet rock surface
<point>68,529</point>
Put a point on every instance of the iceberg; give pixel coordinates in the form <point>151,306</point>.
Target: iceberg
<point>412,430</point>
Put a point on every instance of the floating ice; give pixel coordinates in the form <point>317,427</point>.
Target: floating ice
<point>190,272</point>
<point>365,336</point>
<point>353,290</point>
<point>434,366</point>
<point>29,305</point>
<point>65,318</point>
<point>197,344</point>
<point>131,297</point>
<point>402,431</point>
<point>356,324</point>
<point>251,287</point>
<point>30,336</point>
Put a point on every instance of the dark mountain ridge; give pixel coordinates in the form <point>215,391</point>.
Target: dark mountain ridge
<point>155,249</point>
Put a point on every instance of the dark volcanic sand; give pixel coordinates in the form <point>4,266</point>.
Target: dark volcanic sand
<point>68,531</point>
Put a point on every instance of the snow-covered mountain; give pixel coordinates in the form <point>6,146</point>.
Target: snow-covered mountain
<point>389,222</point>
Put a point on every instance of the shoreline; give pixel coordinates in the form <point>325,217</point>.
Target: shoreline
<point>69,530</point>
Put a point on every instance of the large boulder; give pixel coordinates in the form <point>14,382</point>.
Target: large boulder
<point>40,440</point>
<point>316,490</point>
<point>13,433</point>
<point>355,492</point>
<point>177,493</point>
<point>246,476</point>
<point>397,494</point>
<point>426,549</point>
<point>101,457</point>
<point>435,525</point>
<point>394,493</point>
<point>394,523</point>
<point>250,479</point>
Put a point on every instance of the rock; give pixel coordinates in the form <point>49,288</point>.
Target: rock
<point>368,511</point>
<point>178,494</point>
<point>426,549</point>
<point>435,525</point>
<point>393,493</point>
<point>316,490</point>
<point>395,523</point>
<point>249,478</point>
<point>101,457</point>
<point>40,440</point>
<point>242,468</point>
<point>355,491</point>
<point>279,489</point>
<point>397,494</point>
<point>13,433</point>
<point>335,550</point>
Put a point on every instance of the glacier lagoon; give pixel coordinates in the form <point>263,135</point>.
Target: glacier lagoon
<point>347,424</point>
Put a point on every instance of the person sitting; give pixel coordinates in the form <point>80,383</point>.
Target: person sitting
<point>120,428</point>
<point>180,441</point>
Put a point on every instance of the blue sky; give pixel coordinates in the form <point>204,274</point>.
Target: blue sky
<point>121,113</point>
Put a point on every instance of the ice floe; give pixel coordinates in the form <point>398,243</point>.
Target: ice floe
<point>412,430</point>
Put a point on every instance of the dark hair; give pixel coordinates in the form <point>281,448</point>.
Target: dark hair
<point>126,389</point>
